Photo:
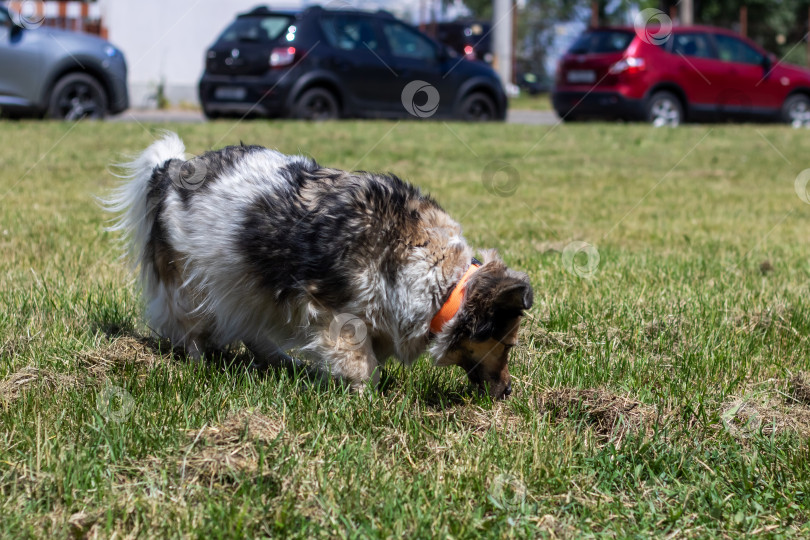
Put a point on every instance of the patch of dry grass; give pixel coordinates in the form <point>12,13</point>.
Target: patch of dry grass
<point>768,408</point>
<point>800,386</point>
<point>775,316</point>
<point>610,415</point>
<point>231,447</point>
<point>15,346</point>
<point>142,352</point>
<point>13,386</point>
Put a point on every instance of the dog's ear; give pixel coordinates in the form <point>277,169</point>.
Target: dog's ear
<point>496,300</point>
<point>514,295</point>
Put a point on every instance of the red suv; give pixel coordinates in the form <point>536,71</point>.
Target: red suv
<point>692,73</point>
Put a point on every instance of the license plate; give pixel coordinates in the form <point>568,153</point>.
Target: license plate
<point>230,93</point>
<point>581,76</point>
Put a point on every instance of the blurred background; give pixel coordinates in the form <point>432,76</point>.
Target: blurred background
<point>164,41</point>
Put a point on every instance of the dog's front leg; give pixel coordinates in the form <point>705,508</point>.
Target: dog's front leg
<point>349,358</point>
<point>267,354</point>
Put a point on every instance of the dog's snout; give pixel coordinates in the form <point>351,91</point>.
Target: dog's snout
<point>508,390</point>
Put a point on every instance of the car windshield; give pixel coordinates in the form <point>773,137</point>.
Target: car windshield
<point>256,29</point>
<point>602,41</point>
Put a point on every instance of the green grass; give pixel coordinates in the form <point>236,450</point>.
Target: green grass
<point>663,395</point>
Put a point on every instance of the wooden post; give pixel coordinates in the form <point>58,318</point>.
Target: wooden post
<point>594,14</point>
<point>744,21</point>
<point>502,40</point>
<point>433,32</point>
<point>687,12</point>
<point>514,41</point>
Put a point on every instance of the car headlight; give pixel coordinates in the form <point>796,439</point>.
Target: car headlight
<point>110,51</point>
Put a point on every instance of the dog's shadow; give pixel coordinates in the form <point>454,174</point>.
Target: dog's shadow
<point>433,394</point>
<point>238,360</point>
<point>234,360</point>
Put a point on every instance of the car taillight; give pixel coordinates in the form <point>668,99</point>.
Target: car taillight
<point>628,65</point>
<point>469,52</point>
<point>282,56</point>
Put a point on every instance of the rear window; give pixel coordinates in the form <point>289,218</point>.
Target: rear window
<point>602,41</point>
<point>256,29</point>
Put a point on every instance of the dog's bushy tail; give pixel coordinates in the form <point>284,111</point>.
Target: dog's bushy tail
<point>130,201</point>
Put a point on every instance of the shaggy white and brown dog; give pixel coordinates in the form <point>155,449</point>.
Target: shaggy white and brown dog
<point>248,244</point>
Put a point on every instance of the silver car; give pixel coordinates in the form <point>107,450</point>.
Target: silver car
<point>56,73</point>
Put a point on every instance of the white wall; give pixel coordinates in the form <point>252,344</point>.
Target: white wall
<point>167,40</point>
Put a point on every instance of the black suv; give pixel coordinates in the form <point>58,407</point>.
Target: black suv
<point>322,64</point>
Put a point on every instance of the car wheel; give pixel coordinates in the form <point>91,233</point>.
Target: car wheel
<point>569,117</point>
<point>796,110</point>
<point>664,109</point>
<point>477,107</point>
<point>316,104</point>
<point>76,96</point>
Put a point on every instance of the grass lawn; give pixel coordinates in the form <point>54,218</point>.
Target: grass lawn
<point>659,390</point>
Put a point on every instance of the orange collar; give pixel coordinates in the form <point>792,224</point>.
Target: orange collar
<point>453,303</point>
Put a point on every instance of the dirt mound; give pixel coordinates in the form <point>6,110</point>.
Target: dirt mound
<point>143,351</point>
<point>800,387</point>
<point>230,447</point>
<point>768,411</point>
<point>610,415</point>
<point>13,386</point>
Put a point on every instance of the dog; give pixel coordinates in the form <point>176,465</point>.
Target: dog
<point>246,244</point>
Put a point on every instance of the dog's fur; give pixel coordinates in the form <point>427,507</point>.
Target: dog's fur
<point>247,244</point>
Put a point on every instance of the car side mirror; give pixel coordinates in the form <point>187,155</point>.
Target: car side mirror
<point>766,63</point>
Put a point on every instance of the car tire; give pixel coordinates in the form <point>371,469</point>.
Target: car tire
<point>316,104</point>
<point>796,110</point>
<point>664,109</point>
<point>569,117</point>
<point>76,96</point>
<point>477,107</point>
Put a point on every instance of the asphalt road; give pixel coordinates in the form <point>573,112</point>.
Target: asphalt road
<point>540,118</point>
